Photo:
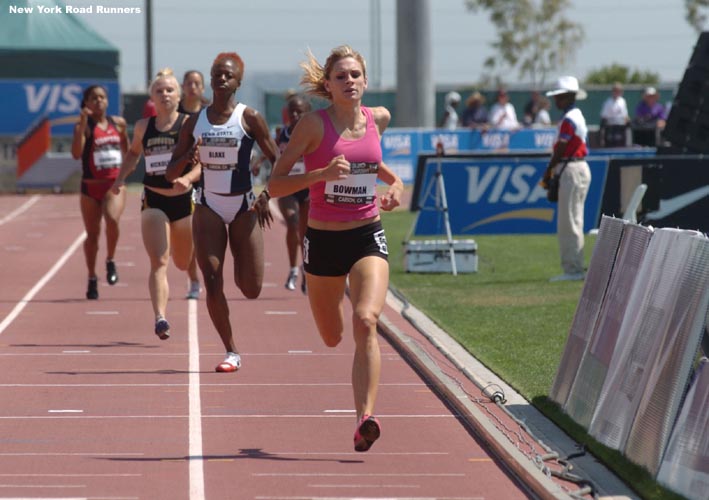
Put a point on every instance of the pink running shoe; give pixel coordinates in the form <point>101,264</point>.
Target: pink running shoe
<point>368,431</point>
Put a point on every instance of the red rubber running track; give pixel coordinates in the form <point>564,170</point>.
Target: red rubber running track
<point>95,406</point>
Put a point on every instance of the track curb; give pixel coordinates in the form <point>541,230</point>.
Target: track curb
<point>538,483</point>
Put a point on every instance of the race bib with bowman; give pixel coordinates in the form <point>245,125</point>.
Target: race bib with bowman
<point>359,188</point>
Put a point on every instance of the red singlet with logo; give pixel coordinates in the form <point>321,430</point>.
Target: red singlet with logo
<point>102,157</point>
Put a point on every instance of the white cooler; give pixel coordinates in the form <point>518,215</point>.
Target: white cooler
<point>433,256</point>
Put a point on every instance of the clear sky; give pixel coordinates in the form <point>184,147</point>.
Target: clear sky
<point>273,35</point>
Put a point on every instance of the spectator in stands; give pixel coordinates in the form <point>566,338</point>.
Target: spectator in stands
<point>614,118</point>
<point>502,114</point>
<point>649,119</point>
<point>475,113</point>
<point>650,113</point>
<point>542,117</point>
<point>531,108</point>
<point>450,119</point>
<point>615,109</point>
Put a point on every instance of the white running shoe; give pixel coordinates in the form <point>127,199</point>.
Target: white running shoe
<point>231,363</point>
<point>292,279</point>
<point>193,290</point>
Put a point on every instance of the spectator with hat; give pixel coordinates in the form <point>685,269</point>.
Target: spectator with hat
<point>568,161</point>
<point>650,112</point>
<point>475,114</point>
<point>450,119</point>
<point>649,119</point>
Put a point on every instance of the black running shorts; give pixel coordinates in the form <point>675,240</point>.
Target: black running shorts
<point>333,253</point>
<point>175,207</point>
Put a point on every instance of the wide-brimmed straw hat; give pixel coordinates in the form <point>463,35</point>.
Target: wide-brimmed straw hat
<point>566,85</point>
<point>475,97</point>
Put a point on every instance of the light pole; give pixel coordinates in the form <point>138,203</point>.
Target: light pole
<point>375,35</point>
<point>148,40</point>
<point>415,90</point>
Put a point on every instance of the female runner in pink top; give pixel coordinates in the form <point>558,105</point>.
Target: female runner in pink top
<point>343,161</point>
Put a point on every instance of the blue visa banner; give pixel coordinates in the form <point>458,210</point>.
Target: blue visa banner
<point>402,146</point>
<point>498,196</point>
<point>25,101</point>
<point>400,150</point>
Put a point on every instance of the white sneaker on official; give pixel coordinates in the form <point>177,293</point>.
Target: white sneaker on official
<point>568,277</point>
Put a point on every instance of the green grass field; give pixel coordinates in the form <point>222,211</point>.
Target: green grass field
<point>512,319</point>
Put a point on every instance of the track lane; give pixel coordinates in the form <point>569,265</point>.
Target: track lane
<point>280,428</point>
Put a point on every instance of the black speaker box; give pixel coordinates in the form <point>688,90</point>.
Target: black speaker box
<point>693,89</point>
<point>679,124</point>
<point>700,56</point>
<point>699,135</point>
<point>687,125</point>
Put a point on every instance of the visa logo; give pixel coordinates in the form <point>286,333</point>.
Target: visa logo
<point>449,141</point>
<point>52,98</point>
<point>496,140</point>
<point>397,141</point>
<point>504,184</point>
<point>544,139</point>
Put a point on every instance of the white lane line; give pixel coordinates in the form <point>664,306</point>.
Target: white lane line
<point>221,386</point>
<point>281,313</point>
<point>63,486</point>
<point>44,498</point>
<point>48,454</point>
<point>338,411</point>
<point>72,475</point>
<point>43,281</point>
<point>195,405</point>
<point>75,352</point>
<point>364,498</point>
<point>19,210</point>
<point>264,416</point>
<point>360,485</point>
<point>65,411</point>
<point>143,354</point>
<point>363,474</point>
<point>102,313</point>
<point>300,352</point>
